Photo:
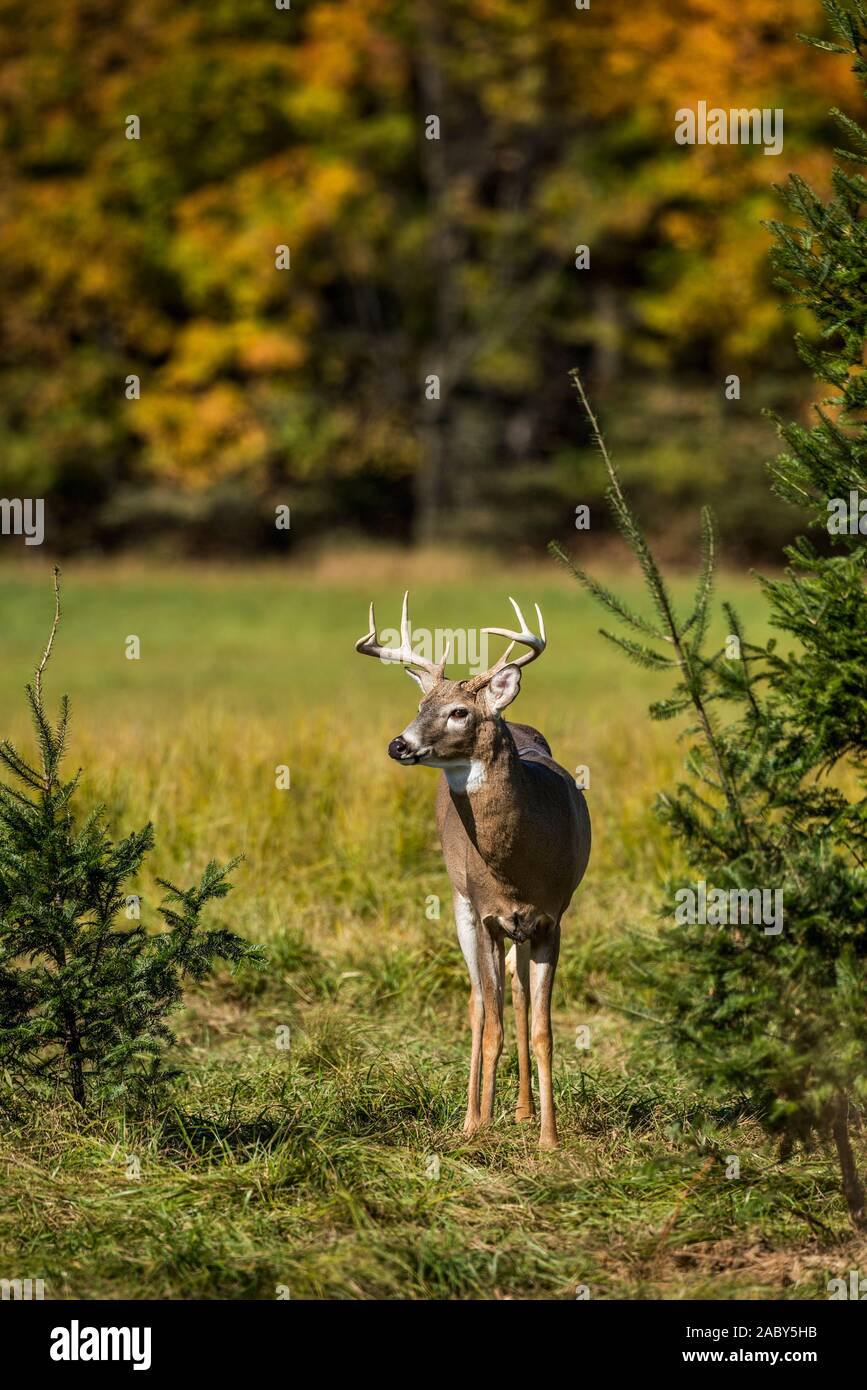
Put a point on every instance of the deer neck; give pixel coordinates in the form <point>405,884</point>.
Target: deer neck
<point>486,791</point>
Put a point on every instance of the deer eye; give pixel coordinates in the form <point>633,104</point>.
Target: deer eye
<point>459,713</point>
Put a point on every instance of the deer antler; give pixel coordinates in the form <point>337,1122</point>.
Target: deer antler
<point>428,673</point>
<point>536,644</point>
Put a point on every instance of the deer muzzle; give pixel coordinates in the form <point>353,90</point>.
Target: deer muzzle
<point>403,751</point>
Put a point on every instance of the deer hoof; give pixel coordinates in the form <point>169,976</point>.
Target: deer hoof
<point>549,1141</point>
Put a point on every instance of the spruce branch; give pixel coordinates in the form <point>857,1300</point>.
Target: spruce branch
<point>686,656</point>
<point>50,643</point>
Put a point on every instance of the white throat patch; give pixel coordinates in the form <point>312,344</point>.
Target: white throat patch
<point>466,777</point>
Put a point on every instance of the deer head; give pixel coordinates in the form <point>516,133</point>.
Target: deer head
<point>453,724</point>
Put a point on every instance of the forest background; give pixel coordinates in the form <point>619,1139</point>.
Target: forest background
<point>407,257</point>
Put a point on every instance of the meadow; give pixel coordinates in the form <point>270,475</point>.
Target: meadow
<point>336,1167</point>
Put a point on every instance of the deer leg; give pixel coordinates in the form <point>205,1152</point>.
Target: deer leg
<point>492,973</point>
<point>468,927</point>
<point>518,965</point>
<point>544,950</point>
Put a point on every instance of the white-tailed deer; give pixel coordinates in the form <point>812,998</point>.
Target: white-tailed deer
<point>515,834</point>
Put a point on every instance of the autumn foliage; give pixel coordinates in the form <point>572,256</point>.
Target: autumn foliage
<point>155,257</point>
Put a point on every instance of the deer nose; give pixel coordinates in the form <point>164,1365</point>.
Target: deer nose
<point>398,747</point>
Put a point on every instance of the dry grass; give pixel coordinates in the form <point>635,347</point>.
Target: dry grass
<point>309,1168</point>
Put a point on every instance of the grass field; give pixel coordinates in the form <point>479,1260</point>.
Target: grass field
<point>313,1168</point>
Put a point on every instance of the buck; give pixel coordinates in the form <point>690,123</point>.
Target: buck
<point>515,836</point>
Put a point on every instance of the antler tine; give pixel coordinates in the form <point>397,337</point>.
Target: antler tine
<point>435,668</point>
<point>536,644</point>
<point>367,644</point>
<point>405,629</point>
<point>404,654</point>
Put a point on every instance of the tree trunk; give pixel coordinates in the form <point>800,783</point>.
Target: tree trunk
<point>77,1076</point>
<point>431,481</point>
<point>445,247</point>
<point>608,340</point>
<point>853,1189</point>
<point>73,1052</point>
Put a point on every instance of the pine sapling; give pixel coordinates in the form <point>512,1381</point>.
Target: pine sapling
<point>770,1008</point>
<point>84,996</point>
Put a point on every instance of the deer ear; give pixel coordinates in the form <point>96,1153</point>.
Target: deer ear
<point>502,688</point>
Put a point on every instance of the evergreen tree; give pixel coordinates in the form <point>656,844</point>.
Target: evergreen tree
<point>775,796</point>
<point>822,264</point>
<point>84,997</point>
<point>770,1009</point>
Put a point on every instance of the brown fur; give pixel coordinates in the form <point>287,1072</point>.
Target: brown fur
<point>497,842</point>
<point>516,846</point>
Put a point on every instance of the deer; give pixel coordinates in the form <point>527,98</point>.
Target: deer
<point>515,834</point>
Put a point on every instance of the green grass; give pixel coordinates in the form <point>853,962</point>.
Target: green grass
<point>309,1167</point>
